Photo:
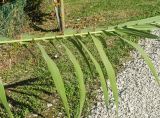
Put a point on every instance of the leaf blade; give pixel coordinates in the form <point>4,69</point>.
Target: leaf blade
<point>135,32</point>
<point>109,69</point>
<point>146,58</point>
<point>79,75</point>
<point>100,72</point>
<point>3,99</point>
<point>56,76</point>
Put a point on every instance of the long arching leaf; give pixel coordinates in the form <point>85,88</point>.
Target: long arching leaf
<point>155,21</point>
<point>55,73</point>
<point>79,47</point>
<point>135,32</point>
<point>109,69</point>
<point>146,58</point>
<point>80,78</point>
<point>100,72</point>
<point>3,99</point>
<point>144,27</point>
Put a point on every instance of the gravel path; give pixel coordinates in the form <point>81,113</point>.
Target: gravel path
<point>139,93</point>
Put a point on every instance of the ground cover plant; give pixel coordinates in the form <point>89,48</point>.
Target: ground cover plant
<point>67,49</point>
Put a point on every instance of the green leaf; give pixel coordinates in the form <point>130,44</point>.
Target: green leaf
<point>74,40</point>
<point>100,72</point>
<point>138,22</point>
<point>156,25</point>
<point>135,32</point>
<point>108,33</point>
<point>146,58</point>
<point>109,69</point>
<point>55,73</point>
<point>143,27</point>
<point>79,75</point>
<point>3,99</point>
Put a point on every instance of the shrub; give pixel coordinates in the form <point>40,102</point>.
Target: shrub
<point>12,17</point>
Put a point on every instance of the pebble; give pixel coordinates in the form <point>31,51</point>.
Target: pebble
<point>49,105</point>
<point>35,115</point>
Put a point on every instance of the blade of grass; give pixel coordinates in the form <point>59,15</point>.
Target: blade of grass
<point>55,73</point>
<point>3,99</point>
<point>79,75</point>
<point>109,69</point>
<point>100,72</point>
<point>146,58</point>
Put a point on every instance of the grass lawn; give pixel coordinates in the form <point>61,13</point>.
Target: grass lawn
<point>29,86</point>
<point>109,12</point>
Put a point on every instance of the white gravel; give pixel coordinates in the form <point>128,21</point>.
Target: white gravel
<point>139,92</point>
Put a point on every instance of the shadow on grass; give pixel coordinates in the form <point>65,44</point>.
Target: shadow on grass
<point>36,15</point>
<point>37,28</point>
<point>22,83</point>
<point>16,103</point>
<point>33,11</point>
<point>23,92</point>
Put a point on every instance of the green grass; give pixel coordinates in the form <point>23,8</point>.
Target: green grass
<point>108,13</point>
<point>30,96</point>
<point>39,83</point>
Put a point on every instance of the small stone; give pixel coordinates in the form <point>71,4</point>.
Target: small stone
<point>34,115</point>
<point>78,19</point>
<point>49,105</point>
<point>56,56</point>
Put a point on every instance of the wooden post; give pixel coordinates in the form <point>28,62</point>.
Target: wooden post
<point>59,8</point>
<point>62,16</point>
